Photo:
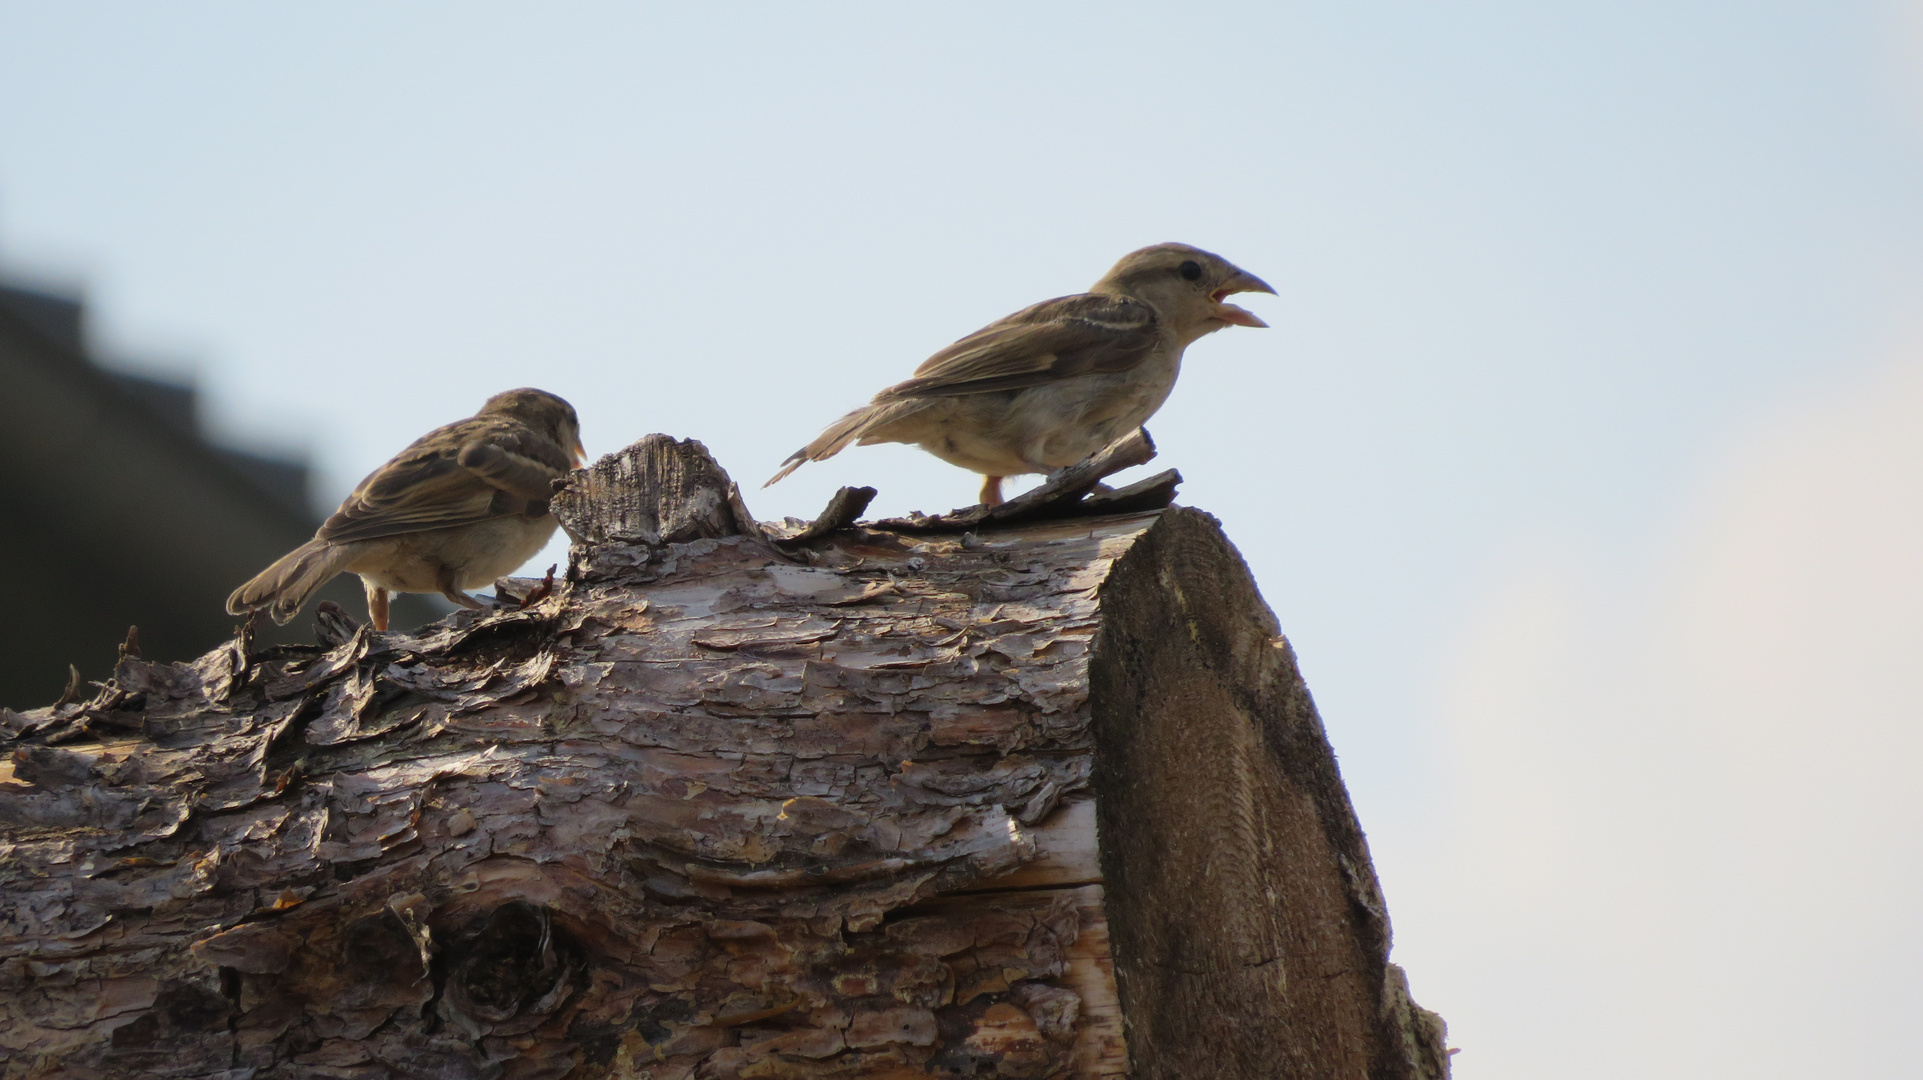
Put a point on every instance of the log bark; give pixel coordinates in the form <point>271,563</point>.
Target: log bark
<point>982,798</point>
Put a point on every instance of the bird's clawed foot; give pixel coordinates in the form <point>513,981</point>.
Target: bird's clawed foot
<point>463,599</point>
<point>451,589</point>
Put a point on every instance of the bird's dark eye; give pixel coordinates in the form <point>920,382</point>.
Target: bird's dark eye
<point>1190,270</point>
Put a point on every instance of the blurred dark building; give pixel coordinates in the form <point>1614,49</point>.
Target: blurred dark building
<point>116,511</point>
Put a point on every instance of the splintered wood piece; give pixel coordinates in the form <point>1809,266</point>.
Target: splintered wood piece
<point>842,511</point>
<point>524,591</point>
<point>1062,495</point>
<point>73,690</point>
<point>1068,486</point>
<point>1153,493</point>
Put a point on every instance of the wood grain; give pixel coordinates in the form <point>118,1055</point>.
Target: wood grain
<point>1250,937</point>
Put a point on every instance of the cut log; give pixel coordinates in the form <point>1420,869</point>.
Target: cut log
<point>1045,799</point>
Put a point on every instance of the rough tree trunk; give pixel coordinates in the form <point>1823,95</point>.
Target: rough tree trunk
<point>730,801</point>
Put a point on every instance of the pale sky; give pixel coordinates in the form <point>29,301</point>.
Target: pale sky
<point>1582,463</point>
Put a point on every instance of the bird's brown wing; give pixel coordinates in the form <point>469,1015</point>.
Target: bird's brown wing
<point>1056,339</point>
<point>472,470</point>
<point>517,460</point>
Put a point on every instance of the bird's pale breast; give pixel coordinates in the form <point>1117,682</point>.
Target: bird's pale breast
<point>477,554</point>
<point>1039,428</point>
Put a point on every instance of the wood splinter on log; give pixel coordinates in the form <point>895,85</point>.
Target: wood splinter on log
<point>1041,798</point>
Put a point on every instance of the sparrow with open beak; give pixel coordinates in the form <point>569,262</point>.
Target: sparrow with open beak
<point>465,504</point>
<point>1051,384</point>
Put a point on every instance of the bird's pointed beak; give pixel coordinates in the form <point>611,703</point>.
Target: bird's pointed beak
<point>580,452</point>
<point>1243,281</point>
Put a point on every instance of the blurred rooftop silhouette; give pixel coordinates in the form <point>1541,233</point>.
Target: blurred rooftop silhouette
<point>116,510</point>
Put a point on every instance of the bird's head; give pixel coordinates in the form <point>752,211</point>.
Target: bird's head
<point>545,413</point>
<point>1186,286</point>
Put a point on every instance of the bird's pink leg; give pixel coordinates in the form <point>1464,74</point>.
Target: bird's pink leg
<point>376,605</point>
<point>991,491</point>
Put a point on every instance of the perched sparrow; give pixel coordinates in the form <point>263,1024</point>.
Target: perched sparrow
<point>1051,384</point>
<point>465,504</point>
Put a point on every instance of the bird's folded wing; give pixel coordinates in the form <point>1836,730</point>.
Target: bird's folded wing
<point>1054,340</point>
<point>428,486</point>
<point>513,466</point>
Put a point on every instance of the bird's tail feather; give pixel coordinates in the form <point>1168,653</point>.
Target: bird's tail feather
<point>837,436</point>
<point>285,586</point>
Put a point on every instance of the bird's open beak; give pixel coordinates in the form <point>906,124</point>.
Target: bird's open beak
<point>1243,281</point>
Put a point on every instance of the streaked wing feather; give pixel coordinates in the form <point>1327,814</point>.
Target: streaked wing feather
<point>425,487</point>
<point>1056,339</point>
<point>521,440</point>
<point>517,474</point>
